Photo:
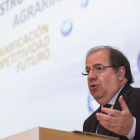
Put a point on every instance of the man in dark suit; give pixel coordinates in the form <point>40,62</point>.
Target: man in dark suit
<point>109,79</point>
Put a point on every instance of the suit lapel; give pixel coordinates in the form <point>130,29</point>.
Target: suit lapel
<point>125,92</point>
<point>95,121</point>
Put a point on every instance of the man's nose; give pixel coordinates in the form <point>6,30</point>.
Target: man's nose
<point>92,75</point>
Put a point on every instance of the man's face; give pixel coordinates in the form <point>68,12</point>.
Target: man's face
<point>105,85</point>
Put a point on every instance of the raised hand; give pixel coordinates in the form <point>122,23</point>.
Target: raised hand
<point>119,122</point>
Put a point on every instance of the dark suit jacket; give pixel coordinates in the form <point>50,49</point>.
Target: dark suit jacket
<point>132,98</point>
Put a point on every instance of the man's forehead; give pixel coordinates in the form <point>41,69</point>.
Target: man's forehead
<point>98,56</point>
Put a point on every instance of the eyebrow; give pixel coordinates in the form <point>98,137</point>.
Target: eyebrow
<point>98,64</point>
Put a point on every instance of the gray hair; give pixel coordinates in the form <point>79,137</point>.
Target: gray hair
<point>96,48</point>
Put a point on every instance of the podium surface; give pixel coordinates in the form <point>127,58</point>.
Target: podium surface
<point>40,133</point>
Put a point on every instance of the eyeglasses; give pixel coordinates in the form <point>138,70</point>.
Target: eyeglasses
<point>96,69</point>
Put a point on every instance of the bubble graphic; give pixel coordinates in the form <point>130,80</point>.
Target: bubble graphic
<point>66,27</point>
<point>84,3</point>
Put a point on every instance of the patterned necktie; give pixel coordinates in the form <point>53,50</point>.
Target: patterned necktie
<point>100,127</point>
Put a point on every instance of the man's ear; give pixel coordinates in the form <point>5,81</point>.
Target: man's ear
<point>121,73</point>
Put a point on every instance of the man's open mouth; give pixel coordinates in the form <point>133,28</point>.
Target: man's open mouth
<point>92,85</point>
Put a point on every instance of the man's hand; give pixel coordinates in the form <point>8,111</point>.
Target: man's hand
<point>119,122</point>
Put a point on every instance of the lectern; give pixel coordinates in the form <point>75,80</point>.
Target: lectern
<point>40,133</point>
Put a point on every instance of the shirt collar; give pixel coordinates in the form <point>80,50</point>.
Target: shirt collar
<point>112,101</point>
